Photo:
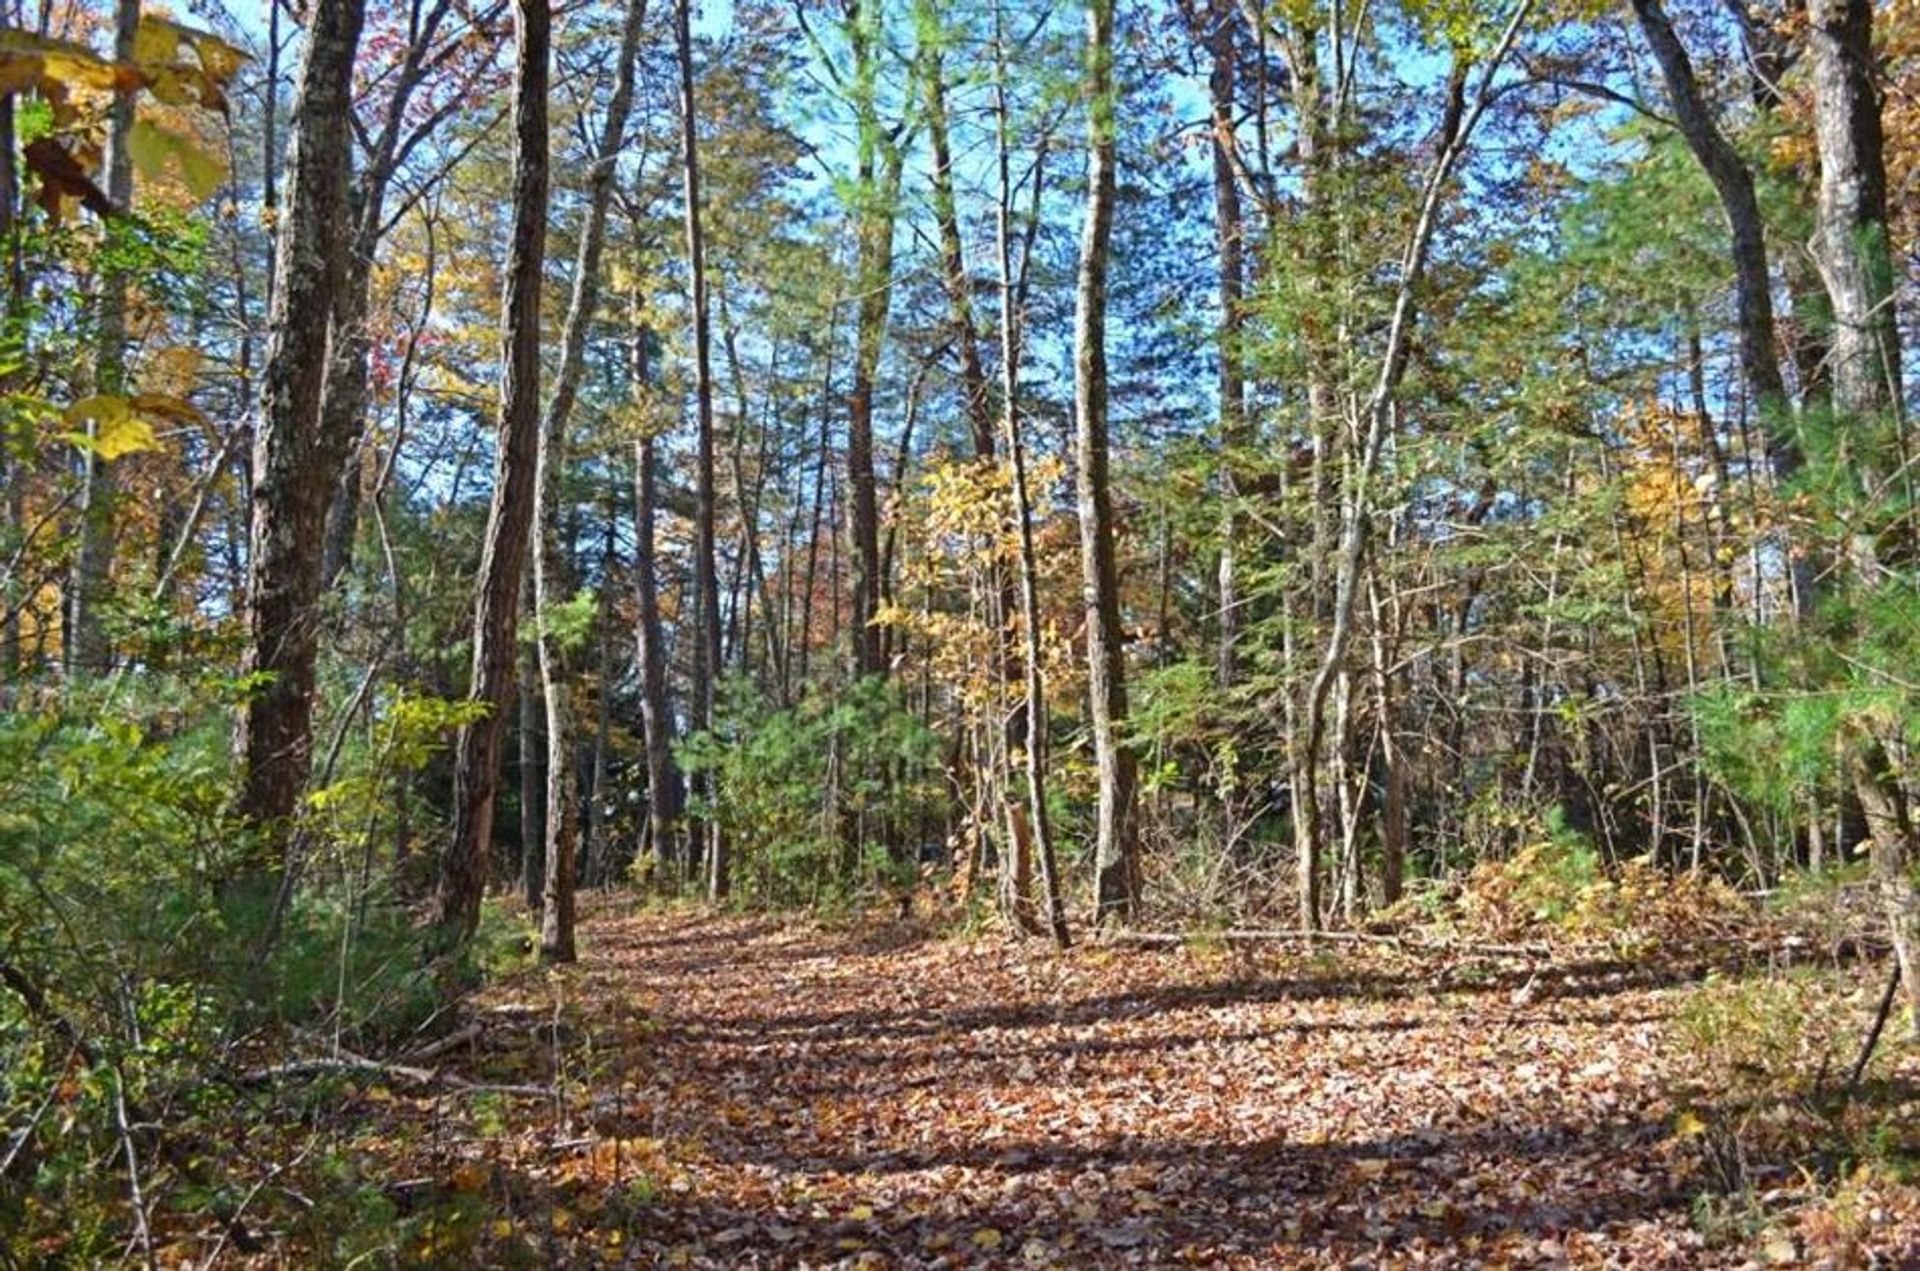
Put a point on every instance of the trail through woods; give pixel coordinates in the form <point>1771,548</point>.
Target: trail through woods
<point>743,1092</point>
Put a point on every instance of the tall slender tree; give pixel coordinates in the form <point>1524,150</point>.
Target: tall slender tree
<point>476,774</point>
<point>1852,249</point>
<point>87,645</point>
<point>665,788</point>
<point>1116,850</point>
<point>706,576</point>
<point>295,463</point>
<point>549,569</point>
<point>879,163</point>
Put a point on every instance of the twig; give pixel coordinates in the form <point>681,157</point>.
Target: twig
<point>1873,1037</point>
<point>24,1135</point>
<point>143,1234</point>
<point>457,1038</point>
<point>347,1061</point>
<point>40,1008</point>
<point>235,1228</point>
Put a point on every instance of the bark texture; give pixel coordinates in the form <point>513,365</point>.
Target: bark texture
<point>295,463</point>
<point>476,776</point>
<point>1116,847</point>
<point>1855,262</point>
<point>706,577</point>
<point>550,564</point>
<point>88,650</point>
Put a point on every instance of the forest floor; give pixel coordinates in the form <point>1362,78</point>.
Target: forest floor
<point>736,1092</point>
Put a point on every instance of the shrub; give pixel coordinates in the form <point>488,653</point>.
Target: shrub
<point>823,801</point>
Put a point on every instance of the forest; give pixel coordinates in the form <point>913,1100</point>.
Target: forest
<point>942,633</point>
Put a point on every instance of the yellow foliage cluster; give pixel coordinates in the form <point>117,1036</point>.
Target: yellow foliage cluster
<point>962,532</point>
<point>1548,890</point>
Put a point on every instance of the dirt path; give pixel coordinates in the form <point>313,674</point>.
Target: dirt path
<point>761,1094</point>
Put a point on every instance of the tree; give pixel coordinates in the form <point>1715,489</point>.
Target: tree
<point>1733,183</point>
<point>665,788</point>
<point>879,162</point>
<point>87,648</point>
<point>430,77</point>
<point>1116,850</point>
<point>562,797</point>
<point>476,775</point>
<point>295,464</point>
<point>706,578</point>
<point>1852,249</point>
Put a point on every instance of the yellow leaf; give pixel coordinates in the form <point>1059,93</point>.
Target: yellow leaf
<point>155,44</point>
<point>220,59</point>
<point>116,429</point>
<point>1688,1126</point>
<point>149,147</point>
<point>861,1213</point>
<point>987,1238</point>
<point>172,86</point>
<point>78,67</point>
<point>201,171</point>
<point>502,1229</point>
<point>27,58</point>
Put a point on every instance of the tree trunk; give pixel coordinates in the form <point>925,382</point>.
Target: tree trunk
<point>878,194</point>
<point>1733,184</point>
<point>706,580</point>
<point>549,566</point>
<point>974,388</point>
<point>344,408</point>
<point>13,475</point>
<point>88,650</point>
<point>1116,850</point>
<point>1229,233</point>
<point>533,777</point>
<point>1855,263</point>
<point>463,866</point>
<point>1033,713</point>
<point>295,463</point>
<point>1378,415</point>
<point>665,787</point>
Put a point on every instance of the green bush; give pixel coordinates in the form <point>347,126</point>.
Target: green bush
<point>823,801</point>
<point>132,975</point>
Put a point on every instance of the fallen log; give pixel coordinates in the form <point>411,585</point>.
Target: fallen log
<point>1242,935</point>
<point>346,1061</point>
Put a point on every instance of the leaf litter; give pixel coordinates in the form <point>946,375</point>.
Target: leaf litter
<point>735,1091</point>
